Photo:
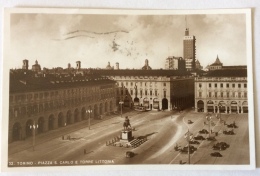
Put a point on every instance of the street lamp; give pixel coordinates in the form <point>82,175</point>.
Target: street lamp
<point>121,103</point>
<point>188,135</point>
<point>89,111</point>
<point>33,127</point>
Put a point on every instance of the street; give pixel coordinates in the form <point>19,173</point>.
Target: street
<point>163,130</point>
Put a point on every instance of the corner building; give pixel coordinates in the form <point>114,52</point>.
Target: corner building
<point>222,91</point>
<point>54,101</point>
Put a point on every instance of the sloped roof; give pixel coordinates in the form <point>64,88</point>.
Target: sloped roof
<point>52,82</point>
<point>140,72</point>
<point>217,62</point>
<point>227,73</point>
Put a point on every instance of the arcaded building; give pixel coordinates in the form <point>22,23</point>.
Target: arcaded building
<point>52,101</point>
<point>154,89</point>
<point>222,91</point>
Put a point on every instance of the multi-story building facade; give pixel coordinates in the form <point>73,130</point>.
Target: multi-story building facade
<point>154,89</point>
<point>175,63</point>
<point>51,101</point>
<point>222,91</point>
<point>189,50</point>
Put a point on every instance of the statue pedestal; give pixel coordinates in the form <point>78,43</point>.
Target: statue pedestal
<point>126,135</point>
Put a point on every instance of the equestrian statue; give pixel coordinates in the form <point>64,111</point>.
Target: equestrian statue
<point>126,123</point>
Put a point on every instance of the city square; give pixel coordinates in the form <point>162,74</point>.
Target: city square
<point>164,130</point>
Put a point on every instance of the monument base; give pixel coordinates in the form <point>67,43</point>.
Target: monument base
<point>126,135</point>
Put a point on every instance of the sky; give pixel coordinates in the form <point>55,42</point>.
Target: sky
<point>55,40</point>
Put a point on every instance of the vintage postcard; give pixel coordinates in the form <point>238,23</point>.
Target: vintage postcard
<point>126,89</point>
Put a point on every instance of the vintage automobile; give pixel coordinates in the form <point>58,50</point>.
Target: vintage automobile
<point>216,154</point>
<point>185,149</point>
<point>194,142</point>
<point>199,138</point>
<point>231,132</point>
<point>203,131</point>
<point>220,146</point>
<point>129,154</point>
<point>211,138</point>
<point>190,122</point>
<point>232,125</point>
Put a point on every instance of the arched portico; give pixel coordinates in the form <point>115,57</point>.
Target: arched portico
<point>16,132</point>
<point>210,106</point>
<point>136,101</point>
<point>164,103</point>
<point>200,106</point>
<point>234,108</point>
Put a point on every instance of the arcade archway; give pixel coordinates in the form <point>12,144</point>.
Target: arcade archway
<point>200,106</point>
<point>29,128</point>
<point>17,132</point>
<point>136,101</point>
<point>233,105</point>
<point>164,103</point>
<point>245,107</point>
<point>210,106</point>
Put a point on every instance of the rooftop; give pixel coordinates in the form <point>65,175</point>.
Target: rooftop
<point>140,72</point>
<point>227,73</point>
<point>27,82</point>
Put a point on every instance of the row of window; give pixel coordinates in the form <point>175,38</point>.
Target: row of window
<point>35,96</point>
<point>141,92</point>
<point>227,85</point>
<point>227,94</point>
<point>49,106</point>
<point>141,84</point>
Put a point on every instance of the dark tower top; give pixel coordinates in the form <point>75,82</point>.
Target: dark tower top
<point>187,32</point>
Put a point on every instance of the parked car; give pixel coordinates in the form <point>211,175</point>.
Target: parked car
<point>231,132</point>
<point>190,122</point>
<point>129,154</point>
<point>194,142</point>
<point>199,138</point>
<point>232,125</point>
<point>220,146</point>
<point>185,149</point>
<point>216,154</point>
<point>203,131</point>
<point>211,138</point>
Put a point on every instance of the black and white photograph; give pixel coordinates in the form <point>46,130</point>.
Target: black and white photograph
<point>95,87</point>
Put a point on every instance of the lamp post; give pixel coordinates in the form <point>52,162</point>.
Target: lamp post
<point>33,127</point>
<point>188,135</point>
<point>89,111</point>
<point>121,103</point>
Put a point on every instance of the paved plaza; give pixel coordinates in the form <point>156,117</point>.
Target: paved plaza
<point>163,130</point>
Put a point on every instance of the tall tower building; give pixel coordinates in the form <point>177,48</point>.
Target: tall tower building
<point>189,50</point>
